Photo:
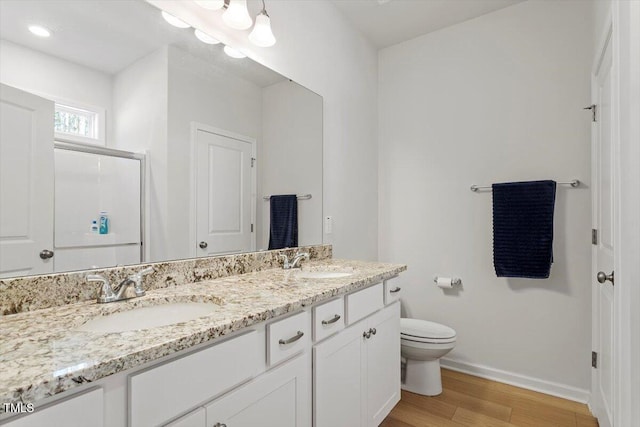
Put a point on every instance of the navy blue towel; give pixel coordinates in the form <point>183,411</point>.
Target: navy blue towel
<point>284,222</point>
<point>523,228</point>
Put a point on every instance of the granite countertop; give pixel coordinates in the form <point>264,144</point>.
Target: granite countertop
<point>42,353</point>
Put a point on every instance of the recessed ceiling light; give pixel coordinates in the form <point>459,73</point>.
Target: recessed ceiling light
<point>39,31</point>
<point>234,53</point>
<point>174,21</point>
<point>205,38</point>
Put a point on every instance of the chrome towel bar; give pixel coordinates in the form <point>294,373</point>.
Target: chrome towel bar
<point>575,183</point>
<point>300,197</point>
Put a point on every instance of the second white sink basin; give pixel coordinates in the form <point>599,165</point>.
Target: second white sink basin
<point>149,317</point>
<point>322,274</point>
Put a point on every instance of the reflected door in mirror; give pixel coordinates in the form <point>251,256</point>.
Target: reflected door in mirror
<point>26,184</point>
<point>225,188</point>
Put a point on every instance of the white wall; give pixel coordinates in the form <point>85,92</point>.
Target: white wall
<point>140,97</point>
<point>497,98</point>
<point>200,93</point>
<point>319,49</point>
<point>22,68</point>
<point>291,157</point>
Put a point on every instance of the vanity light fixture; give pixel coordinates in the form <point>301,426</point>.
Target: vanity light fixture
<point>205,38</point>
<point>234,53</point>
<point>174,21</point>
<point>210,4</point>
<point>262,35</point>
<point>237,16</point>
<point>39,31</point>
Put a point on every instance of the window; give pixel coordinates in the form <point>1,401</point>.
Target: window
<point>76,124</point>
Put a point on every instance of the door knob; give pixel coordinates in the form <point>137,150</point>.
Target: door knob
<point>602,277</point>
<point>203,245</point>
<point>46,254</point>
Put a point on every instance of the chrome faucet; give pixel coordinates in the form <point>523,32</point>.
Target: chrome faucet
<point>295,262</point>
<point>109,294</point>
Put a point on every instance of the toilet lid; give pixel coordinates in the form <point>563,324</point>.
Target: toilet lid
<point>425,329</point>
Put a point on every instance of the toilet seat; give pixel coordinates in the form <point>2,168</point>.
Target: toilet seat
<point>424,331</point>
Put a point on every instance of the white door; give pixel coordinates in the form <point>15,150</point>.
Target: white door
<point>224,187</point>
<point>26,183</point>
<point>604,209</point>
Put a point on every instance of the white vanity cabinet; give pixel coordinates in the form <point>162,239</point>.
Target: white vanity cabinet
<point>281,397</point>
<point>356,376</point>
<point>81,410</point>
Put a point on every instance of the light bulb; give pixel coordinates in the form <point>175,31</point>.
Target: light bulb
<point>237,16</point>
<point>205,38</point>
<point>210,4</point>
<point>39,31</point>
<point>262,35</point>
<point>174,21</point>
<point>234,53</point>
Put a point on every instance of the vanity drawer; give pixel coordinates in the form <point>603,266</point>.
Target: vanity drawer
<point>328,319</point>
<point>362,303</point>
<point>161,393</point>
<point>287,337</point>
<point>391,290</point>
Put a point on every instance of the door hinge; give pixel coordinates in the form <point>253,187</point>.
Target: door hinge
<point>253,161</point>
<point>252,228</point>
<point>594,236</point>
<point>593,109</point>
<point>594,359</point>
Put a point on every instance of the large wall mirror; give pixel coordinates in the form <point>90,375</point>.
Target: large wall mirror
<point>127,140</point>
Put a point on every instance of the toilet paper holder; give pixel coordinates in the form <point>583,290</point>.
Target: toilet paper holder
<point>455,281</point>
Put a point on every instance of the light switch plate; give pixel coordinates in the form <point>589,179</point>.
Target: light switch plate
<point>328,224</point>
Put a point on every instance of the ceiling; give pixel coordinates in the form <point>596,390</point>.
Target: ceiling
<point>386,23</point>
<point>108,35</point>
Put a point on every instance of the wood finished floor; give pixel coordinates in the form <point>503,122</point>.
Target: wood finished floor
<point>472,401</point>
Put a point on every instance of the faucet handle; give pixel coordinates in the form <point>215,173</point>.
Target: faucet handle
<point>137,279</point>
<point>144,272</point>
<point>106,293</point>
<point>285,264</point>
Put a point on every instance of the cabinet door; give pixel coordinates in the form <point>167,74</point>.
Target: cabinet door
<point>383,364</point>
<point>87,409</point>
<point>338,379</point>
<point>281,397</point>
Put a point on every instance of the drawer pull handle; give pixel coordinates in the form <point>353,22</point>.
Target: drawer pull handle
<point>397,289</point>
<point>294,338</point>
<point>333,320</point>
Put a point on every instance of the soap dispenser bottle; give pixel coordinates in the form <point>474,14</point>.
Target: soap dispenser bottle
<point>104,222</point>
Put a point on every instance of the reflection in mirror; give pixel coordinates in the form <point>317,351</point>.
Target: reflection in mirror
<point>127,140</point>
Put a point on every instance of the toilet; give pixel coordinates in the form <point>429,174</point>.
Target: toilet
<point>422,344</point>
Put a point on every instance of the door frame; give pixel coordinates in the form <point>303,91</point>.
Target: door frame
<point>193,230</point>
<point>605,42</point>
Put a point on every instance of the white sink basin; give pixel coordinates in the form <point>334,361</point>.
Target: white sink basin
<point>322,274</point>
<point>149,317</point>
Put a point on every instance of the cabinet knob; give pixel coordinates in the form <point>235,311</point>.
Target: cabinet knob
<point>367,334</point>
<point>219,425</point>
<point>46,254</point>
<point>602,277</point>
<point>373,331</point>
<point>203,245</point>
<point>397,289</point>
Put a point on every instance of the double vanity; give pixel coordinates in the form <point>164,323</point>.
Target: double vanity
<point>317,345</point>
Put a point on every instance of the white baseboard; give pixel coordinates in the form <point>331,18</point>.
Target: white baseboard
<point>518,380</point>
